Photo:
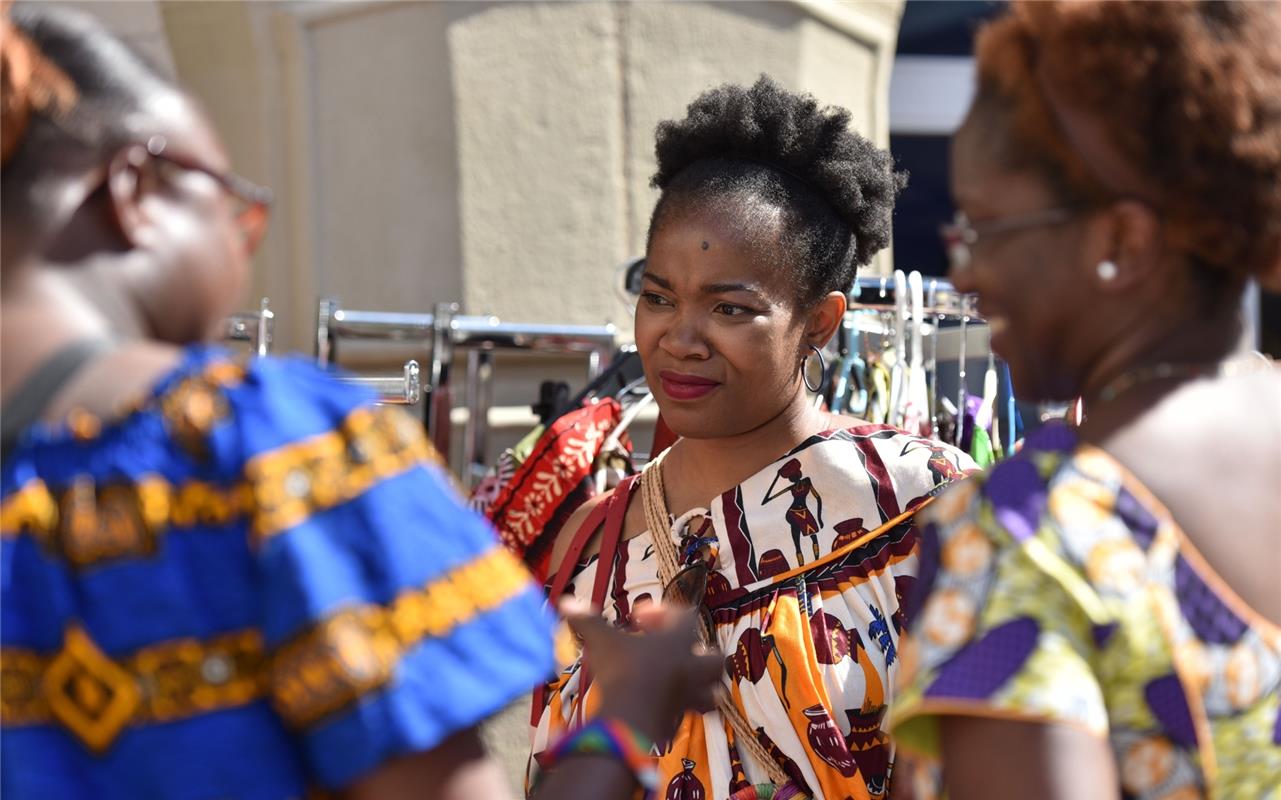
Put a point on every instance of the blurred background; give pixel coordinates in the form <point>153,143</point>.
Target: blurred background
<point>497,155</point>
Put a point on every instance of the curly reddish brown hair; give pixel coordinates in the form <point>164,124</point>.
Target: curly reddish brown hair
<point>1186,94</point>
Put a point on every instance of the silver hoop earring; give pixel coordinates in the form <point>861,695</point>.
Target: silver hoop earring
<point>1107,271</point>
<point>822,370</point>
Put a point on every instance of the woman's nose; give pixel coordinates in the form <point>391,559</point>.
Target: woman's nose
<point>685,338</point>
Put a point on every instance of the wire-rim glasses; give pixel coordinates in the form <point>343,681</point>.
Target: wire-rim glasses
<point>961,235</point>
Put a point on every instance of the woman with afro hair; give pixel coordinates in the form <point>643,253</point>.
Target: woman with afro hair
<point>1102,617</point>
<point>769,204</point>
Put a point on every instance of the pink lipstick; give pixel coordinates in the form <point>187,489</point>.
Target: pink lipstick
<point>679,386</point>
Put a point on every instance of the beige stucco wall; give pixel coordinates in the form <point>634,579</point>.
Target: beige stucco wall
<point>494,154</point>
<point>557,105</point>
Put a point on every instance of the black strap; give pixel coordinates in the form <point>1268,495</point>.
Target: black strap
<point>26,405</point>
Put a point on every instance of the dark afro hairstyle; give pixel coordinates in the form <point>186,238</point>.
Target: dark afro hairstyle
<point>739,148</point>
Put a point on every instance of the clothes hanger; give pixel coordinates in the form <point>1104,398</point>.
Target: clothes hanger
<point>879,383</point>
<point>898,371</point>
<point>623,370</point>
<point>1011,410</point>
<point>987,416</point>
<point>932,366</point>
<point>849,391</point>
<point>616,436</point>
<point>916,393</point>
<point>960,379</point>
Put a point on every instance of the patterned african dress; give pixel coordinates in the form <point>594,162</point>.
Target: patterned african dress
<point>253,585</point>
<point>808,616</point>
<point>1057,589</point>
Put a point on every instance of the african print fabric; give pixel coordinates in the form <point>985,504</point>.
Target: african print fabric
<point>254,584</point>
<point>1057,589</point>
<point>809,559</point>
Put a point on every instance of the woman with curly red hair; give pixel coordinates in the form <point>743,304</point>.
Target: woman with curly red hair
<point>1099,615</point>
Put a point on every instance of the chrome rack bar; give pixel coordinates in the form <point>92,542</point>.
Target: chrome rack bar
<point>439,400</point>
<point>402,390</point>
<point>256,327</point>
<point>489,333</point>
<point>480,398</point>
<point>482,332</point>
<point>877,293</point>
<point>445,331</point>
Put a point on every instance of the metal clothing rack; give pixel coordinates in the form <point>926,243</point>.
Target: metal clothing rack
<point>443,334</point>
<point>405,389</point>
<point>942,298</point>
<point>258,328</point>
<point>940,331</point>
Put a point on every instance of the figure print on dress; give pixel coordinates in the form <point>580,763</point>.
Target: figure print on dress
<point>789,767</point>
<point>904,586</point>
<point>940,466</point>
<point>799,518</point>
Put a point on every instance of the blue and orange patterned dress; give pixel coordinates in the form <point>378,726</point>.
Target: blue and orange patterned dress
<point>256,584</point>
<point>1057,589</point>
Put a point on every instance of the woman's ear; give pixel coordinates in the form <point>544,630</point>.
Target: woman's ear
<point>1131,243</point>
<point>126,186</point>
<point>824,319</point>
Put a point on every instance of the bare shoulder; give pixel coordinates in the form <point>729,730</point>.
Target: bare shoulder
<point>117,379</point>
<point>842,421</point>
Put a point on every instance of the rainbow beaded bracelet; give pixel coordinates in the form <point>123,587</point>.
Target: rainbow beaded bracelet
<point>608,737</point>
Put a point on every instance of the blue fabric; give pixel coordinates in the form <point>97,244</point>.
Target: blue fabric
<point>402,536</point>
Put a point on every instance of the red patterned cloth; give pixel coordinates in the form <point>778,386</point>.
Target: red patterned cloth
<point>553,481</point>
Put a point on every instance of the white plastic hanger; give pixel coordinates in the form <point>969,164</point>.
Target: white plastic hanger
<point>961,390</point>
<point>916,401</point>
<point>898,371</point>
<point>932,366</point>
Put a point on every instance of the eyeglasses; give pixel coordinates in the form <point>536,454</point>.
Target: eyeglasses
<point>960,237</point>
<point>253,201</point>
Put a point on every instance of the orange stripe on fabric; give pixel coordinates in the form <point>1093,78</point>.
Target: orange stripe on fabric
<point>306,477</point>
<point>355,651</point>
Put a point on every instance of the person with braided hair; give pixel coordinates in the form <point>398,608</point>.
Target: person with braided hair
<point>769,204</point>
<point>230,578</point>
<point>1099,616</point>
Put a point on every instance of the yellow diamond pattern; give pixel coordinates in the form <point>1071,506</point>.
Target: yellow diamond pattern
<point>89,693</point>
